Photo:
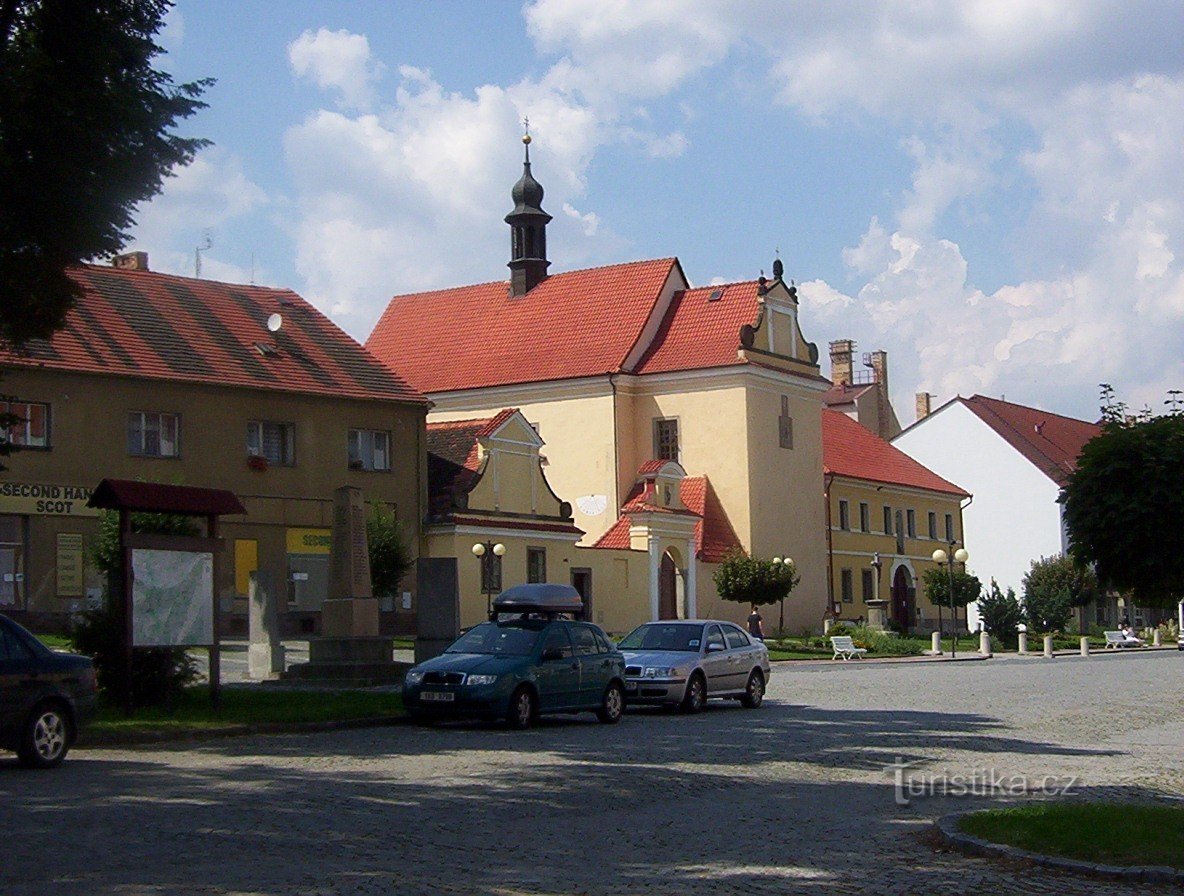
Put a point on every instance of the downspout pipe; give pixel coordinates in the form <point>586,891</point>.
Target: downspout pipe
<point>828,480</point>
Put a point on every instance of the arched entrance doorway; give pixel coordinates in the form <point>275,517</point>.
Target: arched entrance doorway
<point>671,588</point>
<point>903,599</point>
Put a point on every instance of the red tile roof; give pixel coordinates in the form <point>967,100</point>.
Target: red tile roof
<point>844,393</point>
<point>574,324</point>
<point>697,332</point>
<point>453,468</point>
<point>714,536</point>
<point>1050,441</point>
<point>145,324</point>
<point>852,450</point>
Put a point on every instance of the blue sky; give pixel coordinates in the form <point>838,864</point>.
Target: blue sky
<point>989,191</point>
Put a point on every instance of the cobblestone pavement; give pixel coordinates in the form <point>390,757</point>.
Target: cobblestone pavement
<point>791,798</point>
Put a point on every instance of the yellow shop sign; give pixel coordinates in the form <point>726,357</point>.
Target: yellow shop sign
<point>309,541</point>
<point>43,499</point>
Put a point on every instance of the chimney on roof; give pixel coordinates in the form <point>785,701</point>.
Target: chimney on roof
<point>922,405</point>
<point>131,261</point>
<point>841,351</point>
<point>878,362</point>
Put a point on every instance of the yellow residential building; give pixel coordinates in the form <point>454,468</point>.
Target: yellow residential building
<point>884,508</point>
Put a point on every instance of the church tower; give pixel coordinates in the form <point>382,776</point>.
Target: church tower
<point>528,231</point>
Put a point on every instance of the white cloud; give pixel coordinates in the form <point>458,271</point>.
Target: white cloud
<point>337,60</point>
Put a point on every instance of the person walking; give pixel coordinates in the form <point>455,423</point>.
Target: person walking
<point>754,624</point>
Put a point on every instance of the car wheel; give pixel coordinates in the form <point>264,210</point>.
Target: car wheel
<point>612,705</point>
<point>696,696</point>
<point>754,691</point>
<point>522,708</point>
<point>46,738</point>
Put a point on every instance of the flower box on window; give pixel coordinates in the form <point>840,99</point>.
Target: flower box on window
<point>257,462</point>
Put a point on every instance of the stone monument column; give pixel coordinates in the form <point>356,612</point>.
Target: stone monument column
<point>265,651</point>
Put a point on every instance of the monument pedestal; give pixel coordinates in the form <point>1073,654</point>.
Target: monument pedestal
<point>877,615</point>
<point>350,651</point>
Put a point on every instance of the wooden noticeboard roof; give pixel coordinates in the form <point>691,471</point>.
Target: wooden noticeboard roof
<point>158,497</point>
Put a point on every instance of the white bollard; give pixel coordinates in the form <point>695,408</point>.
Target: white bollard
<point>1023,642</point>
<point>935,644</point>
<point>984,643</point>
<point>1048,646</point>
<point>1155,642</point>
<point>1084,646</point>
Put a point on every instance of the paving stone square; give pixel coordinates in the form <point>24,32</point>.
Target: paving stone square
<point>798,796</point>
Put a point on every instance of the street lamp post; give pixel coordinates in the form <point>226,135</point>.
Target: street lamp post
<point>778,561</point>
<point>941,558</point>
<point>490,580</point>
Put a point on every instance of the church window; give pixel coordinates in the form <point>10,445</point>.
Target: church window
<point>666,439</point>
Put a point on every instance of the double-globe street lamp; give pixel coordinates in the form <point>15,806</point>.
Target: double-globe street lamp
<point>489,553</point>
<point>941,558</point>
<point>788,564</point>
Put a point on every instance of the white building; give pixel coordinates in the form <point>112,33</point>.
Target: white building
<point>1014,460</point>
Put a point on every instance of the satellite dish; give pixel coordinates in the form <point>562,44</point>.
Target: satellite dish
<point>274,322</point>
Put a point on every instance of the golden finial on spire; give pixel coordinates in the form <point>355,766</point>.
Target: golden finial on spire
<point>526,127</point>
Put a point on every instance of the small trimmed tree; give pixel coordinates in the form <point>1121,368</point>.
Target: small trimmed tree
<point>967,588</point>
<point>390,556</point>
<point>1001,614</point>
<point>1048,599</point>
<point>750,580</point>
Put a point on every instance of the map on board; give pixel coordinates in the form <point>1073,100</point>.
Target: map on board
<point>172,598</point>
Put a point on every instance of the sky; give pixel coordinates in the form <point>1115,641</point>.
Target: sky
<point>990,191</point>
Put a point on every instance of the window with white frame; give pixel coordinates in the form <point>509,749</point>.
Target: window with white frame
<point>153,434</point>
<point>31,428</point>
<point>666,439</point>
<point>369,449</point>
<point>273,441</point>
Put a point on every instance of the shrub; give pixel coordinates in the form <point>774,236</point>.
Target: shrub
<point>1001,614</point>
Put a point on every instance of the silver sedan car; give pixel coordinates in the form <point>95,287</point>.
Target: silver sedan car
<point>685,661</point>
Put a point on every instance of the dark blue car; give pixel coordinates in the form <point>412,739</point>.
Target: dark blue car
<point>527,661</point>
<point>45,697</point>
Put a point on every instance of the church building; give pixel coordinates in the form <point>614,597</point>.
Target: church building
<point>636,380</point>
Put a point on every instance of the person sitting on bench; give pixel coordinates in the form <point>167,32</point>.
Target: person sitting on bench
<point>1130,637</point>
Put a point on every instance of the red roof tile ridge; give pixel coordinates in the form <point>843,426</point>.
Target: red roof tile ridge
<point>123,272</point>
<point>440,425</point>
<point>496,422</point>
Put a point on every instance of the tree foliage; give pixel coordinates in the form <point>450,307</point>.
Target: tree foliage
<point>1001,613</point>
<point>1048,594</point>
<point>85,134</point>
<point>750,580</point>
<point>1124,503</point>
<point>967,587</point>
<point>390,556</point>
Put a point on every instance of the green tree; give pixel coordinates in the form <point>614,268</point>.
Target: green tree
<point>1048,595</point>
<point>1001,614</point>
<point>85,134</point>
<point>967,587</point>
<point>750,580</point>
<point>1124,502</point>
<point>390,556</point>
<point>159,674</point>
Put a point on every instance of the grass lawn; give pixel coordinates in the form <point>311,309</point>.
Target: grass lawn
<point>56,642</point>
<point>1109,833</point>
<point>242,706</point>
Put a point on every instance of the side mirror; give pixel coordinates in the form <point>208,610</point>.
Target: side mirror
<point>714,648</point>
<point>552,653</point>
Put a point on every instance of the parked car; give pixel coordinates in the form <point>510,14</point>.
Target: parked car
<point>45,697</point>
<point>684,662</point>
<point>529,659</point>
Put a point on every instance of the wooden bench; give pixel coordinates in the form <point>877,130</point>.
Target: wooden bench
<point>1118,639</point>
<point>845,648</point>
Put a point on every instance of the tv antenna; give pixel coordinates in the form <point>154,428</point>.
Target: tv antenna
<point>207,242</point>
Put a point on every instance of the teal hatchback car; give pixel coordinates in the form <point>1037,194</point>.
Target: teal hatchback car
<point>526,661</point>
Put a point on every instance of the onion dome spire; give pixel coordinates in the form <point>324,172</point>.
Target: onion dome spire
<point>528,228</point>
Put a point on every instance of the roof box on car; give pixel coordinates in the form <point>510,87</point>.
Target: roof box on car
<point>540,597</point>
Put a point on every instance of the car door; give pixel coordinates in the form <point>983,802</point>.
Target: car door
<point>558,671</point>
<point>741,657</point>
<point>596,665</point>
<point>15,679</point>
<point>715,659</point>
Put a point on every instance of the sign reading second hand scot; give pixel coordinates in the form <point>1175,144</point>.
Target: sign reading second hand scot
<point>45,499</point>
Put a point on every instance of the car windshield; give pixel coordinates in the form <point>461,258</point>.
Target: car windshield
<point>660,636</point>
<point>515,637</point>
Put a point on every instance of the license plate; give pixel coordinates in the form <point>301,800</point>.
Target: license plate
<point>437,696</point>
<point>630,687</point>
